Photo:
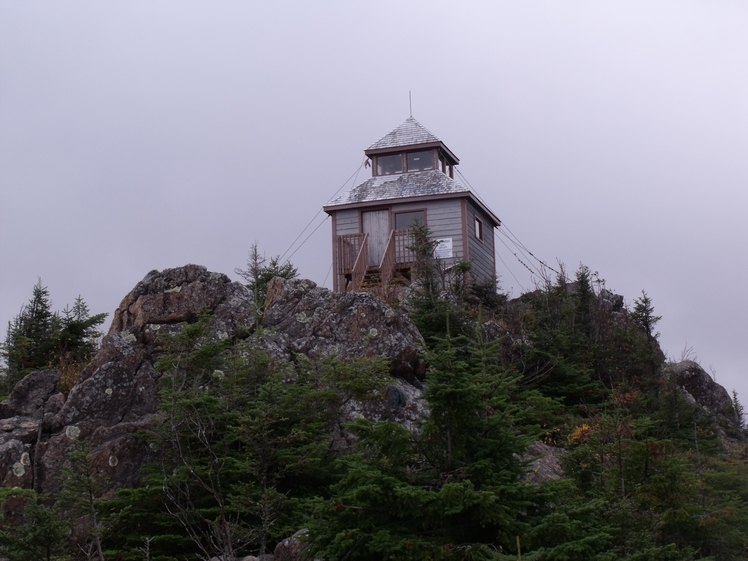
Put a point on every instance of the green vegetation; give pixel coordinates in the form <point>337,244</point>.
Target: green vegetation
<point>40,338</point>
<point>260,272</point>
<point>250,449</point>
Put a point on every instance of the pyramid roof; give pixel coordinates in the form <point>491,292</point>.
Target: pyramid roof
<point>409,133</point>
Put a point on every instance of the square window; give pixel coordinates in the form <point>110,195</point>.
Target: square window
<point>419,161</point>
<point>389,164</point>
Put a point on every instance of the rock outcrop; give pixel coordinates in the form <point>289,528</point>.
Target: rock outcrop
<point>544,463</point>
<point>699,388</point>
<point>177,295</point>
<point>315,322</point>
<point>116,395</point>
<point>291,548</point>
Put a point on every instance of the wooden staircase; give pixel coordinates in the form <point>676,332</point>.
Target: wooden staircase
<point>354,270</point>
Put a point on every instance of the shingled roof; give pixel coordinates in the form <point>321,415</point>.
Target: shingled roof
<point>401,186</point>
<point>409,133</point>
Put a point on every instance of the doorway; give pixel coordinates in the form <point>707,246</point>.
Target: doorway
<point>376,223</point>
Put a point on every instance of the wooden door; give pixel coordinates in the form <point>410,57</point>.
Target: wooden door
<point>376,223</point>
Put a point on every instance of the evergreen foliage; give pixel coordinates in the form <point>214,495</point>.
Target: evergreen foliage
<point>249,449</point>
<point>40,536</point>
<point>260,272</point>
<point>81,501</point>
<point>245,446</point>
<point>40,338</point>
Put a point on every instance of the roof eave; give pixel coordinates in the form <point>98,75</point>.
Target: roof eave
<point>329,209</point>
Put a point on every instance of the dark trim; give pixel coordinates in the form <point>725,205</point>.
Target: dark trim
<point>465,239</point>
<point>334,252</point>
<point>493,253</point>
<point>424,198</point>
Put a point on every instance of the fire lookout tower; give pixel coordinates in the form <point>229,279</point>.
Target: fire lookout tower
<point>412,183</point>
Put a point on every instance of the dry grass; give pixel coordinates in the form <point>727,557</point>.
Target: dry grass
<point>69,375</point>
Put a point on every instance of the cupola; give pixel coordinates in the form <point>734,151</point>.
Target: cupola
<point>410,147</point>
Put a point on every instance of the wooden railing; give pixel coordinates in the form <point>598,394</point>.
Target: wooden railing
<point>387,267</point>
<point>404,255</point>
<point>353,258</point>
<point>348,247</point>
<point>359,267</point>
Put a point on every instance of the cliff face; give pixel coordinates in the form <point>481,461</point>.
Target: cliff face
<point>117,394</point>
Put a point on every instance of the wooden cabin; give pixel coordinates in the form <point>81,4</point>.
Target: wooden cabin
<point>412,183</point>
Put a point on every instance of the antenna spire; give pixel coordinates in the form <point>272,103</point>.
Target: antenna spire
<point>410,104</point>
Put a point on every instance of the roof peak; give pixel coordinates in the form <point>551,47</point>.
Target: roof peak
<point>410,132</point>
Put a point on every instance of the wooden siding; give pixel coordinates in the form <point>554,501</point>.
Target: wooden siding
<point>346,222</point>
<point>482,253</point>
<point>443,218</point>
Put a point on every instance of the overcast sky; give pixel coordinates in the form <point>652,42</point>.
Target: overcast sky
<point>146,135</point>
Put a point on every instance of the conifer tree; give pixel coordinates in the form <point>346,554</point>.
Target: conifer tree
<point>643,314</point>
<point>245,444</point>
<point>39,338</point>
<point>41,536</point>
<point>260,272</point>
<point>28,342</point>
<point>81,498</point>
<point>75,340</point>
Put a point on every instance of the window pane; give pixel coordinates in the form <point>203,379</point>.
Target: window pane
<point>409,219</point>
<point>418,161</point>
<point>478,229</point>
<point>387,165</point>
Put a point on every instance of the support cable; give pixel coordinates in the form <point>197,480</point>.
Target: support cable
<point>327,276</point>
<point>510,271</point>
<point>534,269</point>
<point>354,176</point>
<point>543,263</point>
<point>516,240</point>
<point>306,239</point>
<point>525,265</point>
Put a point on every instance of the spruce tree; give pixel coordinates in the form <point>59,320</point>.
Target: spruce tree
<point>28,342</point>
<point>643,315</point>
<point>39,338</point>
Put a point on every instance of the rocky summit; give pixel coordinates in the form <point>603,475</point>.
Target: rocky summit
<point>117,394</point>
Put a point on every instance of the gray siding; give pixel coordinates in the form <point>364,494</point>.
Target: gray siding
<point>443,218</point>
<point>347,222</point>
<point>482,253</point>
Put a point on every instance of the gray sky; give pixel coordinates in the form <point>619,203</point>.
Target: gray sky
<point>145,135</point>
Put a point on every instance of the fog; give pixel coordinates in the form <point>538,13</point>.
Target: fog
<point>142,135</point>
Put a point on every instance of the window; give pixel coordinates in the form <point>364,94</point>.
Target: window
<point>420,161</point>
<point>478,229</point>
<point>389,164</point>
<point>409,219</point>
